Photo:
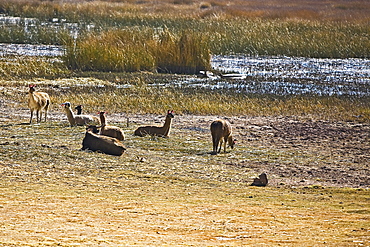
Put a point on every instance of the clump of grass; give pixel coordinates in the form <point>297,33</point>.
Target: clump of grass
<point>295,38</point>
<point>139,49</point>
<point>31,67</point>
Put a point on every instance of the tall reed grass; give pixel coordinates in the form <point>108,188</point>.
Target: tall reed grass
<point>139,49</point>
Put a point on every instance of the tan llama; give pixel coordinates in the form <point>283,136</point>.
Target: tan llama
<point>109,130</point>
<point>38,101</point>
<point>221,133</point>
<point>163,131</point>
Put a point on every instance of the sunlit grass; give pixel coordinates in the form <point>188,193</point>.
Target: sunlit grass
<point>31,67</point>
<point>139,50</point>
<point>179,195</point>
<point>138,93</point>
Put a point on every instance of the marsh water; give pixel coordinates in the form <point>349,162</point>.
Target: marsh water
<point>260,75</point>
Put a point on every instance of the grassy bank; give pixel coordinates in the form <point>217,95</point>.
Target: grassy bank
<point>144,93</point>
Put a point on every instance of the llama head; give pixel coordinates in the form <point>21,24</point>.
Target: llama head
<point>66,104</point>
<point>170,113</point>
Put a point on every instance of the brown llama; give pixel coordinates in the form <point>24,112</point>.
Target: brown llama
<point>221,133</point>
<point>163,131</point>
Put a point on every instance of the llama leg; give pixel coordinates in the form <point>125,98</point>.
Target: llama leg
<point>214,145</point>
<point>219,143</point>
<point>38,116</point>
<point>31,116</point>
<point>46,113</point>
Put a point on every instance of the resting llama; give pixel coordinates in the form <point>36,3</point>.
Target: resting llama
<point>163,131</point>
<point>100,143</point>
<point>109,130</point>
<point>78,119</point>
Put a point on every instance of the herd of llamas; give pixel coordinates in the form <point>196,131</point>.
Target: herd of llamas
<point>107,138</point>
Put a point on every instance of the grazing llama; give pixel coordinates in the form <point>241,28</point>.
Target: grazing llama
<point>221,133</point>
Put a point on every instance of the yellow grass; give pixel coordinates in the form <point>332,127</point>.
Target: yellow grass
<point>126,211</point>
<point>53,194</point>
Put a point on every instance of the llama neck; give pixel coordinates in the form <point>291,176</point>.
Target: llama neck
<point>70,116</point>
<point>32,97</point>
<point>167,125</point>
<point>102,120</point>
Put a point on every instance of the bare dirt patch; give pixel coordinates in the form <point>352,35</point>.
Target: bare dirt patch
<point>340,150</point>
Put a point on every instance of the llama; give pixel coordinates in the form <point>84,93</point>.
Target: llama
<point>38,101</point>
<point>100,143</point>
<point>163,131</point>
<point>78,119</point>
<point>79,109</point>
<point>221,133</point>
<point>109,130</point>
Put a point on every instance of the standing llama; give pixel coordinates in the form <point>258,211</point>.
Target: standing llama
<point>221,133</point>
<point>38,101</point>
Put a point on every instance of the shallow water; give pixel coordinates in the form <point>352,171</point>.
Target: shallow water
<point>291,76</point>
<point>260,75</point>
<point>31,50</point>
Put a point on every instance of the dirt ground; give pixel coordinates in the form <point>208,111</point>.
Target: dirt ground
<point>342,149</point>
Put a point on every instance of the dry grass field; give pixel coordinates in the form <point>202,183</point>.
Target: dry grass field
<point>172,191</point>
